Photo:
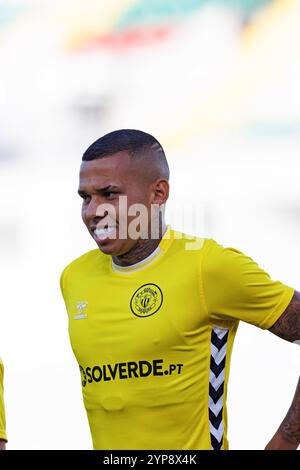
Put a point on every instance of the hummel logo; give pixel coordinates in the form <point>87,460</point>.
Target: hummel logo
<point>80,306</point>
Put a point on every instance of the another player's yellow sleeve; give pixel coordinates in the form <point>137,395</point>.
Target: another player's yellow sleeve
<point>2,409</point>
<point>62,280</point>
<point>236,288</point>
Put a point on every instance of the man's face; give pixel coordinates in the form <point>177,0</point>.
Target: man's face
<point>101,184</point>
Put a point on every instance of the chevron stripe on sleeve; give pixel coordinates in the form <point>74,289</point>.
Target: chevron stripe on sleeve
<point>219,337</point>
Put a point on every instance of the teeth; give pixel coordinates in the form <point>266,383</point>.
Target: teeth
<point>99,232</point>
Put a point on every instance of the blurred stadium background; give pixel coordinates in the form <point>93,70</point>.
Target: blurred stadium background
<point>217,82</point>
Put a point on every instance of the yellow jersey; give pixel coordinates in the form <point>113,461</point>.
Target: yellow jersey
<point>2,409</point>
<point>153,341</point>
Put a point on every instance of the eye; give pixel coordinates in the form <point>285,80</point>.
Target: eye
<point>110,194</point>
<point>84,196</point>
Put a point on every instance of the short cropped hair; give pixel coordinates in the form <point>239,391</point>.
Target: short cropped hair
<point>136,143</point>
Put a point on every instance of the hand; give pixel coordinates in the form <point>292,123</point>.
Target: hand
<point>2,444</point>
<point>278,442</point>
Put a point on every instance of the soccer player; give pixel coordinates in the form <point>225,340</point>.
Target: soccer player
<point>3,437</point>
<point>153,313</point>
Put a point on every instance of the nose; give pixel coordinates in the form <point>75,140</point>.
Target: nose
<point>90,211</point>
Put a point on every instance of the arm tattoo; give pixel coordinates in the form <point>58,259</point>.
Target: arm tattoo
<point>288,328</point>
<point>288,325</point>
<point>290,426</point>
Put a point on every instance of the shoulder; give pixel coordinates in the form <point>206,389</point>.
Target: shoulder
<point>83,259</point>
<point>208,255</point>
<point>86,262</point>
<point>214,248</point>
<point>224,260</point>
<point>187,242</point>
<point>209,249</point>
<point>203,244</point>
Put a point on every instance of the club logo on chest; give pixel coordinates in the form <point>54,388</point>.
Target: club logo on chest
<point>146,300</point>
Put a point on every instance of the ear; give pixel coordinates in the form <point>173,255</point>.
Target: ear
<point>160,191</point>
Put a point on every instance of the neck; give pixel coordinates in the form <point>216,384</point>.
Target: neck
<point>141,250</point>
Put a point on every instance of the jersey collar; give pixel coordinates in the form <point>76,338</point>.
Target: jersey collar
<point>154,256</point>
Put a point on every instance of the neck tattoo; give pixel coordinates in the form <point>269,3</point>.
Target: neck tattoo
<point>140,251</point>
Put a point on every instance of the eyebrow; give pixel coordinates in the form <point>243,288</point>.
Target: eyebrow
<point>105,189</point>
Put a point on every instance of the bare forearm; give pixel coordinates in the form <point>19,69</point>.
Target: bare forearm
<point>288,325</point>
<point>287,436</point>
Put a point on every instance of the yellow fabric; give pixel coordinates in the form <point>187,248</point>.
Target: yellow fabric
<point>236,288</point>
<point>142,338</point>
<point>2,409</point>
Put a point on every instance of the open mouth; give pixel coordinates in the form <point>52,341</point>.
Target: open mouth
<point>101,233</point>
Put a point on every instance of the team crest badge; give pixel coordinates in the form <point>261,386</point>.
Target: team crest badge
<point>146,300</point>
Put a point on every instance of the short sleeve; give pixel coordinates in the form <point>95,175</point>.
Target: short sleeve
<point>2,408</point>
<point>236,288</point>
